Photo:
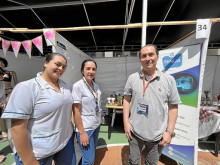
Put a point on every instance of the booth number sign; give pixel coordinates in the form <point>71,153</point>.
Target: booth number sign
<point>203,28</point>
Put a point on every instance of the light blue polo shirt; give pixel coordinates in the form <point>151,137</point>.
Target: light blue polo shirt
<point>160,92</point>
<point>48,112</point>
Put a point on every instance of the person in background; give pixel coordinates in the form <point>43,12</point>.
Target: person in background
<point>40,110</point>
<point>87,112</point>
<point>2,107</point>
<point>9,75</point>
<point>151,99</point>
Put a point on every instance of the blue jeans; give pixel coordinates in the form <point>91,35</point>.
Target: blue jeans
<point>88,152</point>
<point>66,156</point>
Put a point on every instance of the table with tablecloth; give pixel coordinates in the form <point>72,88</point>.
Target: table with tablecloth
<point>209,123</point>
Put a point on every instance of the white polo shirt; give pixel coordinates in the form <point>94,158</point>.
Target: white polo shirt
<point>81,94</point>
<point>48,112</point>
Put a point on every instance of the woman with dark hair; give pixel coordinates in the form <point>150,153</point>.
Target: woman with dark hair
<point>42,129</point>
<point>2,106</point>
<point>9,75</point>
<point>87,112</point>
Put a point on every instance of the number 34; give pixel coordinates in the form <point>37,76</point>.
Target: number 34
<point>202,27</point>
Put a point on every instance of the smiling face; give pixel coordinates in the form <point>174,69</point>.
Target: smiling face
<point>89,71</point>
<point>55,68</point>
<point>148,59</point>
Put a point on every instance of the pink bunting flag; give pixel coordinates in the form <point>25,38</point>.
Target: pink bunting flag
<point>51,36</point>
<point>5,46</point>
<point>27,46</point>
<point>38,43</point>
<point>16,47</point>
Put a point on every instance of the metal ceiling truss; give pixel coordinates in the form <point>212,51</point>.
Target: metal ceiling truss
<point>45,5</point>
<point>163,21</point>
<point>89,22</point>
<point>127,21</point>
<point>11,25</point>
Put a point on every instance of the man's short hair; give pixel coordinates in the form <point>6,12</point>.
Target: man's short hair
<point>155,47</point>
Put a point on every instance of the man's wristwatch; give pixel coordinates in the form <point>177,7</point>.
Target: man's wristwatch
<point>172,134</point>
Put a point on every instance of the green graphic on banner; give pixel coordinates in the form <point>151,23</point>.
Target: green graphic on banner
<point>190,100</point>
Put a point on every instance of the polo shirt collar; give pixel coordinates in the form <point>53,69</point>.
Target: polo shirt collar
<point>157,75</point>
<point>95,86</point>
<point>43,83</point>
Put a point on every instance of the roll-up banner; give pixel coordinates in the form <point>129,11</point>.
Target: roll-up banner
<point>186,64</point>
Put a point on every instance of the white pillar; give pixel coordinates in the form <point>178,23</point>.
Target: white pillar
<point>144,22</point>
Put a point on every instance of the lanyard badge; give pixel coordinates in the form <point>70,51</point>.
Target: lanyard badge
<point>94,93</point>
<point>144,88</point>
<point>142,107</point>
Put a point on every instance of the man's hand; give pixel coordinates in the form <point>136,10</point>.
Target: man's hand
<point>127,128</point>
<point>166,139</point>
<point>126,110</point>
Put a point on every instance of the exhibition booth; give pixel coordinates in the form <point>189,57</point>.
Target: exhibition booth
<point>112,74</point>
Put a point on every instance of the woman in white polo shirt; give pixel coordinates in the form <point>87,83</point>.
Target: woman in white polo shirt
<point>40,110</point>
<point>87,112</point>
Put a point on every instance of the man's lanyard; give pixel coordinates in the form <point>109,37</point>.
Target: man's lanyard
<point>94,93</point>
<point>144,88</point>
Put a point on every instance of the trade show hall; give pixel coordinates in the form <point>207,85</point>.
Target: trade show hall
<point>110,82</point>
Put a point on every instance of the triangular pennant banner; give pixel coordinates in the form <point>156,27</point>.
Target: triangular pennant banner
<point>27,46</point>
<point>38,43</point>
<point>51,36</point>
<point>5,46</point>
<point>16,47</point>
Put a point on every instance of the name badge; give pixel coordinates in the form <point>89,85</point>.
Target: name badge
<point>142,109</point>
<point>97,110</point>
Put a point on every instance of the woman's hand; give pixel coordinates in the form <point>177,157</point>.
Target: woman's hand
<point>84,139</point>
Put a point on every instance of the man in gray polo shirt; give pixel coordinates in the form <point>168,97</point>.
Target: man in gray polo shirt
<point>150,108</point>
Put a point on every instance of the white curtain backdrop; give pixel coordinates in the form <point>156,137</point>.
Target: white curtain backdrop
<point>112,74</point>
<point>211,80</point>
<point>74,56</point>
